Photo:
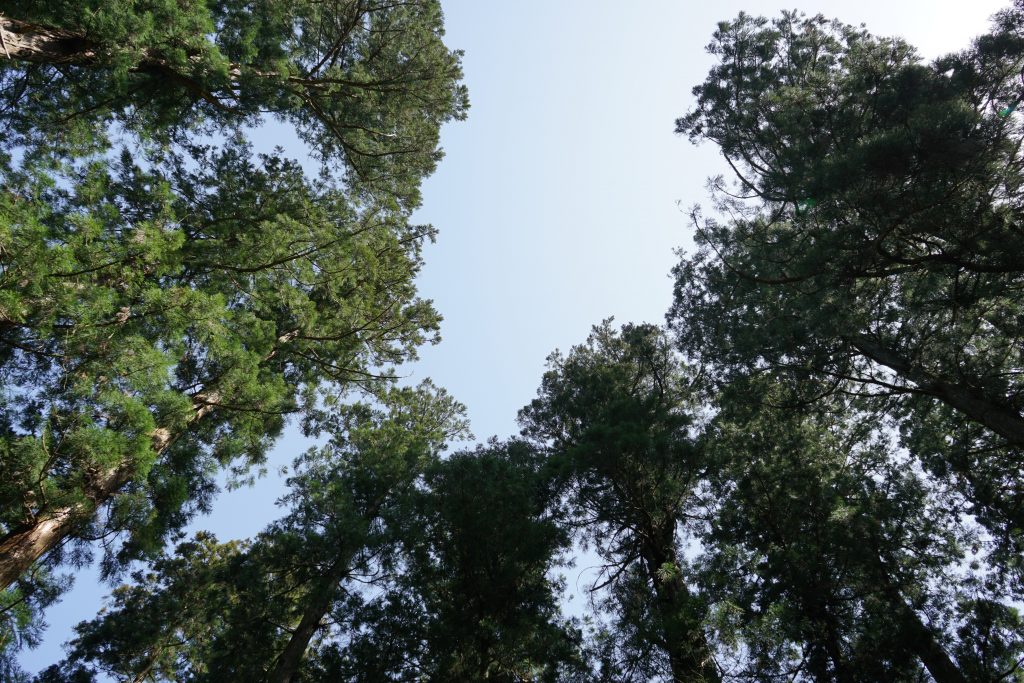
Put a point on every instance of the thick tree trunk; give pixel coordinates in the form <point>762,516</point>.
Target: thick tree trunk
<point>32,43</point>
<point>21,548</point>
<point>1001,419</point>
<point>926,647</point>
<point>921,638</point>
<point>689,654</point>
<point>27,42</point>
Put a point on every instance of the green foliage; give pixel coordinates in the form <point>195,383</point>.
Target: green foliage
<point>617,415</point>
<point>827,545</point>
<point>365,85</point>
<point>418,568</point>
<point>475,599</point>
<point>209,311</point>
<point>834,496</point>
<point>168,298</point>
<point>21,616</point>
<point>181,598</point>
<point>991,645</point>
<point>904,275</point>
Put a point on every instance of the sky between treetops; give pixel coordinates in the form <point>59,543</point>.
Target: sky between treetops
<point>559,201</point>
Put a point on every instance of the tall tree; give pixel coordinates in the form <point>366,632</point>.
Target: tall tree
<point>874,232</point>
<point>365,84</point>
<point>344,493</point>
<point>474,599</point>
<point>156,325</point>
<point>838,561</point>
<point>161,315</point>
<point>264,610</point>
<point>616,414</point>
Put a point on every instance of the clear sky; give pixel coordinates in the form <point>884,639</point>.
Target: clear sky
<point>558,200</point>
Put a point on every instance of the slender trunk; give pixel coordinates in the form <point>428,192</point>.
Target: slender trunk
<point>142,675</point>
<point>688,651</point>
<point>921,638</point>
<point>832,643</point>
<point>1000,418</point>
<point>823,632</point>
<point>321,599</point>
<point>21,548</point>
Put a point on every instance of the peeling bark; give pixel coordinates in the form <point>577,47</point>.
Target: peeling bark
<point>27,42</point>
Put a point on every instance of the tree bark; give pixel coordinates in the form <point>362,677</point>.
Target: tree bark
<point>21,548</point>
<point>43,44</point>
<point>689,654</point>
<point>921,638</point>
<point>322,597</point>
<point>826,639</point>
<point>932,655</point>
<point>1001,419</point>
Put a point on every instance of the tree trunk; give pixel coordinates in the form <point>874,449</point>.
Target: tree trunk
<point>32,43</point>
<point>322,597</point>
<point>688,651</point>
<point>828,639</point>
<point>921,638</point>
<point>320,600</point>
<point>928,650</point>
<point>21,548</point>
<point>1001,419</point>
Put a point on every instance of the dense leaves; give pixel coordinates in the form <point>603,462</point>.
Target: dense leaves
<point>391,564</point>
<point>214,612</point>
<point>812,475</point>
<point>831,554</point>
<point>475,599</point>
<point>168,297</point>
<point>874,235</point>
<point>365,85</point>
<point>616,414</point>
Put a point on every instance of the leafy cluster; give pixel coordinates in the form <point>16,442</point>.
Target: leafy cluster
<point>168,297</point>
<point>811,474</point>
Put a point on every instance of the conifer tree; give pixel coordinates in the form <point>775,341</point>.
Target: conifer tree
<point>873,234</point>
<point>168,297</point>
<point>835,558</point>
<point>475,598</point>
<point>274,608</point>
<point>615,414</point>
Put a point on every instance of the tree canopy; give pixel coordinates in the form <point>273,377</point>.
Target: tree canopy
<point>874,232</point>
<point>168,297</point>
<point>812,473</point>
<point>365,85</point>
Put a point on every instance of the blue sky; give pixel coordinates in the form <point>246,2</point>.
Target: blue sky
<point>558,202</point>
